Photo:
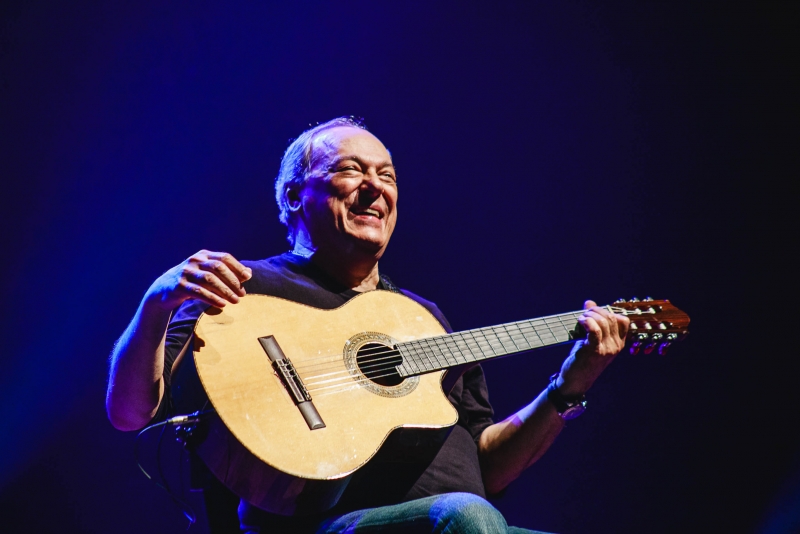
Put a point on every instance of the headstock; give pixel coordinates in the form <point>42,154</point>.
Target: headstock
<point>654,323</point>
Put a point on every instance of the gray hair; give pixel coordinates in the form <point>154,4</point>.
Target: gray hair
<point>296,164</point>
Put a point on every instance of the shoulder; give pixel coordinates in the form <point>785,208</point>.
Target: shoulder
<point>269,274</point>
<point>268,266</point>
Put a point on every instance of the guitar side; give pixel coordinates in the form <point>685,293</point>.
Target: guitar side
<point>259,444</point>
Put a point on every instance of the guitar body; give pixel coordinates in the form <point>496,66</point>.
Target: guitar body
<point>259,444</point>
<point>304,397</point>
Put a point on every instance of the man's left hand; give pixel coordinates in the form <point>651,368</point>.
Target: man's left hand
<point>605,338</point>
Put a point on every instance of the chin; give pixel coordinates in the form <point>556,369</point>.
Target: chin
<point>370,246</point>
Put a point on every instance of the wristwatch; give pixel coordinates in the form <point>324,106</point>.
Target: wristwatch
<point>567,408</point>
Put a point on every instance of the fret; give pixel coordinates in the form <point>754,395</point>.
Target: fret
<point>510,337</point>
<point>423,357</point>
<point>475,345</point>
<point>429,365</point>
<point>516,336</point>
<point>408,352</point>
<point>441,344</point>
<point>464,348</point>
<point>433,351</point>
<point>441,352</point>
<point>456,350</point>
<point>447,347</point>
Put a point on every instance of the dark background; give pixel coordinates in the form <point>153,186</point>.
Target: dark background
<point>547,153</point>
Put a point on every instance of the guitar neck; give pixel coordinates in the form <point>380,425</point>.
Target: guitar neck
<point>451,350</point>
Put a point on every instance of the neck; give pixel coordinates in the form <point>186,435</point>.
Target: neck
<point>352,268</point>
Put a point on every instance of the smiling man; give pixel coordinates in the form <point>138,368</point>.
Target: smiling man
<point>337,194</point>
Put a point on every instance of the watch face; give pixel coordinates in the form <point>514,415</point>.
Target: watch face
<point>574,411</point>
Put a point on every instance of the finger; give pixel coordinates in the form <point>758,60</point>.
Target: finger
<point>623,324</point>
<point>200,293</point>
<point>593,331</point>
<point>224,273</point>
<point>611,319</point>
<point>598,315</point>
<point>242,273</point>
<point>211,282</point>
<point>589,304</point>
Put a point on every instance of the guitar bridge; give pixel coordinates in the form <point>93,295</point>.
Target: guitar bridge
<point>292,382</point>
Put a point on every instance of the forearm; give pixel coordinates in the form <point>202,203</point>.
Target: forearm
<point>136,384</point>
<point>508,448</point>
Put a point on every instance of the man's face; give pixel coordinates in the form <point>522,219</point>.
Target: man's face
<point>350,197</point>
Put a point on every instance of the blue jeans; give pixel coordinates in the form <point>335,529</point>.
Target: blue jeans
<point>451,513</point>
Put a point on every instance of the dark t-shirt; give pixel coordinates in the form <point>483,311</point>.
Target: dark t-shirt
<point>454,468</point>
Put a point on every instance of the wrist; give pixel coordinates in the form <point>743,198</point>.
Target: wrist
<point>568,406</point>
<point>569,389</point>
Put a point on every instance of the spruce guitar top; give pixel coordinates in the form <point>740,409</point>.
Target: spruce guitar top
<point>304,397</point>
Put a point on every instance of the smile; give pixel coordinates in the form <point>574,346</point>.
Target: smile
<point>369,212</point>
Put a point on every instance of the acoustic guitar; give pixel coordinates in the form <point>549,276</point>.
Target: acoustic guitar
<point>304,397</point>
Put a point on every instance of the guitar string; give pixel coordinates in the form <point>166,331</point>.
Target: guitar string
<point>437,347</point>
<point>333,361</point>
<point>530,324</point>
<point>376,371</point>
<point>440,345</point>
<point>337,388</point>
<point>367,378</point>
<point>364,379</point>
<point>437,344</point>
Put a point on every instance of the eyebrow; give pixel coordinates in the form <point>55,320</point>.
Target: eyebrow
<point>360,161</point>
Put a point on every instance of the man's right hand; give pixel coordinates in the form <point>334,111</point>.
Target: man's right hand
<point>212,277</point>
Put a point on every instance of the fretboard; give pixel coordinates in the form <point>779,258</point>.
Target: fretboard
<point>450,350</point>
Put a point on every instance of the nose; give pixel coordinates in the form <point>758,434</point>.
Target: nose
<point>372,183</point>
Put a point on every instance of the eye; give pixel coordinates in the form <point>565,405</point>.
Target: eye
<point>350,169</point>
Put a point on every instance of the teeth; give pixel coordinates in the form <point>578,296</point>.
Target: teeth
<point>372,212</point>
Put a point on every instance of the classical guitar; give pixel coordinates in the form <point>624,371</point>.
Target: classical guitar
<point>304,397</point>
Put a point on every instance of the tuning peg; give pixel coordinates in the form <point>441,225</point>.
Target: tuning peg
<point>663,348</point>
<point>620,301</point>
<point>639,340</point>
<point>648,299</point>
<point>655,339</point>
<point>634,299</point>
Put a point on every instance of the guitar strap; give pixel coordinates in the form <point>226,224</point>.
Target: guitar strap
<point>387,284</point>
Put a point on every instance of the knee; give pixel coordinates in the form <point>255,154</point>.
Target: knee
<point>465,513</point>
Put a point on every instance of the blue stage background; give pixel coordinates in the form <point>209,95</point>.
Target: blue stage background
<point>547,153</point>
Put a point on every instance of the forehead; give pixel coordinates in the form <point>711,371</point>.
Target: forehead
<point>348,141</point>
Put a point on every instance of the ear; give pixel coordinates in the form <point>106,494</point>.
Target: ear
<point>293,198</point>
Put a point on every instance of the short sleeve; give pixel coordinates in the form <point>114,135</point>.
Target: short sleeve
<point>179,332</point>
<point>470,396</point>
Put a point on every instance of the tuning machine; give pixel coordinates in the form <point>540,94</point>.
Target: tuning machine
<point>655,339</point>
<point>639,340</point>
<point>664,347</point>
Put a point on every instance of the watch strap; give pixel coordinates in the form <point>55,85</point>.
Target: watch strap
<point>567,408</point>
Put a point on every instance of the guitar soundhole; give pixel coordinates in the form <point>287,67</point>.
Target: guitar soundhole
<point>379,364</point>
